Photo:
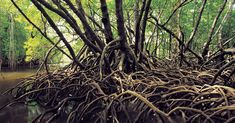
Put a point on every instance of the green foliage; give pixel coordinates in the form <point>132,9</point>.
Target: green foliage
<point>36,48</point>
<point>20,35</point>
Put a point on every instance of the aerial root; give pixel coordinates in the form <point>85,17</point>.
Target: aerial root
<point>143,96</point>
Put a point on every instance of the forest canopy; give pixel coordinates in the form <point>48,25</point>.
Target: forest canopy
<point>199,28</point>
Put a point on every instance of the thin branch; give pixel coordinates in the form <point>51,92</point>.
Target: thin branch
<point>224,18</point>
<point>46,59</point>
<point>197,23</point>
<point>71,21</point>
<point>176,37</point>
<point>53,25</point>
<point>43,34</point>
<point>206,48</point>
<point>176,9</point>
<point>85,24</point>
<point>167,30</point>
<point>221,70</point>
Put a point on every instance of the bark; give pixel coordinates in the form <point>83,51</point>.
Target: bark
<point>120,24</point>
<point>144,23</point>
<point>125,48</point>
<point>136,15</point>
<point>106,21</point>
<point>137,29</point>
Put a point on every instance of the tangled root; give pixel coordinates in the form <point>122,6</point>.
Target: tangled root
<point>162,95</point>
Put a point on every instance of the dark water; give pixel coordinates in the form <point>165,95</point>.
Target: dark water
<point>19,113</point>
<point>9,79</point>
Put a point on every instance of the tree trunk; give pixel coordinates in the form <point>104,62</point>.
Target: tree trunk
<point>12,49</point>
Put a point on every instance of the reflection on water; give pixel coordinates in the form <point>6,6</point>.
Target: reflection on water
<point>8,79</point>
<point>33,111</point>
<point>19,113</point>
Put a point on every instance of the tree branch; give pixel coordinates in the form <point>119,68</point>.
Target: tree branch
<point>53,25</point>
<point>206,47</point>
<point>125,48</point>
<point>71,21</point>
<point>137,29</point>
<point>106,21</point>
<point>144,23</point>
<point>175,10</point>
<point>43,34</point>
<point>221,70</point>
<point>197,24</point>
<point>85,24</point>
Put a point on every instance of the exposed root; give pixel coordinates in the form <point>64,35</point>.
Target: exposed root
<point>158,95</point>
